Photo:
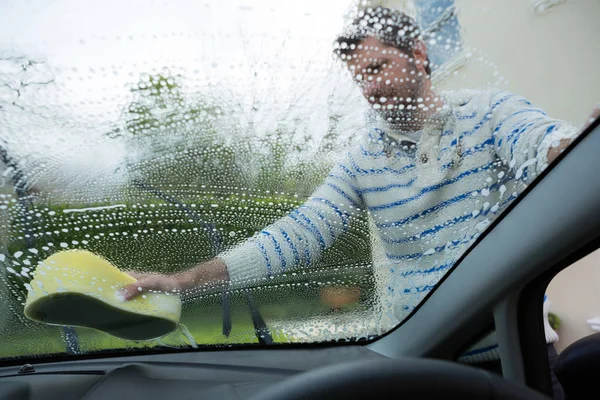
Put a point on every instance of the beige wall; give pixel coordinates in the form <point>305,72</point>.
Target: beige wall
<point>551,59</point>
<point>575,297</point>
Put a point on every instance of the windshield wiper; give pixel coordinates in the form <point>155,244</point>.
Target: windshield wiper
<point>260,327</point>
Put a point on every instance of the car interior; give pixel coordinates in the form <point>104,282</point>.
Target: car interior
<point>528,246</point>
<point>496,289</point>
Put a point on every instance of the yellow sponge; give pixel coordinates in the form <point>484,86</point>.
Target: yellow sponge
<point>80,288</point>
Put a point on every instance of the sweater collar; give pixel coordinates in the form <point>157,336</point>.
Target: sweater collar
<point>435,124</point>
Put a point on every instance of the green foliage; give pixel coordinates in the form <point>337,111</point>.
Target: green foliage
<point>159,105</point>
<point>185,139</point>
<point>554,321</point>
<point>186,155</point>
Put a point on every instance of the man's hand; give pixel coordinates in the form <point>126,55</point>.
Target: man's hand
<point>593,116</point>
<point>149,281</point>
<point>209,275</point>
<point>555,151</point>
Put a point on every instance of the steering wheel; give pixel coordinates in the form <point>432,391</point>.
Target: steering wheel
<point>407,378</point>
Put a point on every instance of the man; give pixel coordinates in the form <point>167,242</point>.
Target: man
<point>432,177</point>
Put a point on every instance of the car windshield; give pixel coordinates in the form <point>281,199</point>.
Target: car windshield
<point>225,173</point>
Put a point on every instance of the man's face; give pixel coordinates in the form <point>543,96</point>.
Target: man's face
<point>391,80</point>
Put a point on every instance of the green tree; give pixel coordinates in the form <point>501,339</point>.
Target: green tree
<point>176,137</point>
<point>182,140</point>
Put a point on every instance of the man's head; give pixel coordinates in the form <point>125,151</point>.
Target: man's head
<point>388,60</point>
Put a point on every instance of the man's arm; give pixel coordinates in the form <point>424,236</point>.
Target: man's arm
<point>525,137</point>
<point>300,237</point>
<point>294,240</point>
<point>210,275</point>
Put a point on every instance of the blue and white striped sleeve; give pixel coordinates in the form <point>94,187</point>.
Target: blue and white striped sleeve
<point>300,237</point>
<point>524,134</point>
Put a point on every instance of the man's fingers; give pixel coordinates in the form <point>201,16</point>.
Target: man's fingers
<point>146,282</point>
<point>133,289</point>
<point>592,117</point>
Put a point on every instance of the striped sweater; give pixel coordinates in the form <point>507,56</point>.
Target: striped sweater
<point>427,202</point>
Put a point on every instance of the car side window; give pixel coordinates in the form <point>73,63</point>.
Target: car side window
<point>571,324</point>
<point>572,327</point>
<point>574,301</point>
